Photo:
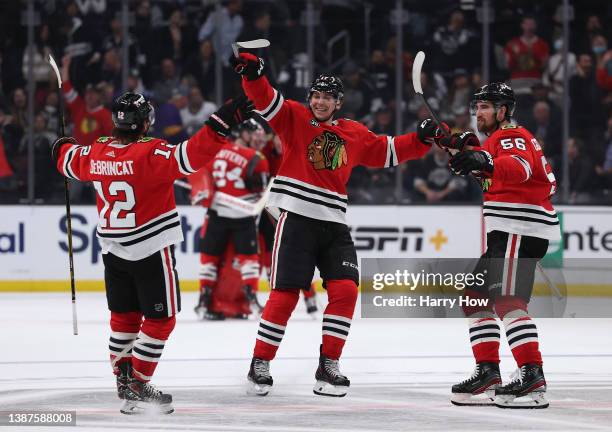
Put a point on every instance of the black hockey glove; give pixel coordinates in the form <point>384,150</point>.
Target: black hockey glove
<point>459,141</point>
<point>231,114</point>
<point>469,160</point>
<point>248,65</point>
<point>55,148</point>
<point>429,132</point>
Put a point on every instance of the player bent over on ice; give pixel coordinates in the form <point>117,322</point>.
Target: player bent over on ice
<point>319,152</point>
<point>239,169</point>
<point>520,221</point>
<point>138,227</point>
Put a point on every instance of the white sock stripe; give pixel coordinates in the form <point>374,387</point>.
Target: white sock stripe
<point>334,325</point>
<point>522,342</point>
<point>120,345</point>
<point>141,375</point>
<point>338,318</point>
<point>144,357</point>
<point>334,334</point>
<point>162,254</point>
<point>122,335</point>
<point>485,331</point>
<point>513,322</point>
<point>271,324</point>
<point>148,339</point>
<point>530,330</point>
<point>483,340</point>
<point>268,341</point>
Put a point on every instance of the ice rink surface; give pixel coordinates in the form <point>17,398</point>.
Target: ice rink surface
<point>401,372</point>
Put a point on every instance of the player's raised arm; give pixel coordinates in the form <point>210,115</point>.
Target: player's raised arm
<point>268,101</point>
<point>384,151</point>
<point>201,148</point>
<point>511,160</point>
<point>71,158</point>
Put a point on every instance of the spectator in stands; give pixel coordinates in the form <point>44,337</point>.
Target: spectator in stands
<point>381,75</point>
<point>112,68</point>
<point>604,63</point>
<point>605,170</point>
<point>526,56</point>
<point>584,37</point>
<point>458,96</point>
<point>586,113</point>
<point>202,68</point>
<point>177,40</point>
<point>40,60</point>
<point>91,120</point>
<point>553,73</point>
<point>230,26</point>
<point>581,171</point>
<point>196,112</point>
<point>434,182</point>
<point>453,45</point>
<point>49,110</point>
<point>8,182</point>
<point>169,82</point>
<point>542,125</point>
<point>168,122</point>
<point>357,92</point>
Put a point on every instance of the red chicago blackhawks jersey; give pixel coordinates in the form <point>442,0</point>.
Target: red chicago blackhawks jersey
<point>318,158</point>
<point>517,197</point>
<point>232,168</point>
<point>137,213</point>
<point>273,156</point>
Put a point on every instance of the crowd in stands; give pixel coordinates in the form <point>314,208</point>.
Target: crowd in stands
<point>173,47</point>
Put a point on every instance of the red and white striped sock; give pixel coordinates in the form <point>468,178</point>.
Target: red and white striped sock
<point>273,322</point>
<point>338,315</point>
<point>149,346</point>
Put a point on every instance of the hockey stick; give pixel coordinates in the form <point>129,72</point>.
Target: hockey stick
<point>61,131</point>
<point>551,285</point>
<point>251,44</point>
<point>249,208</point>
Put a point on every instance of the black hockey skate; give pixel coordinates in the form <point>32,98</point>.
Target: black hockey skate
<point>479,389</point>
<point>330,381</point>
<point>202,309</point>
<point>203,303</point>
<point>527,390</point>
<point>143,397</point>
<point>123,379</point>
<point>259,379</point>
<point>252,299</point>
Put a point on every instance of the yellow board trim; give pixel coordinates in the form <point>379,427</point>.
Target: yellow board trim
<point>573,290</point>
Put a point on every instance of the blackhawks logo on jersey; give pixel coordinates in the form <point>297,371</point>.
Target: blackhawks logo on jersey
<point>327,151</point>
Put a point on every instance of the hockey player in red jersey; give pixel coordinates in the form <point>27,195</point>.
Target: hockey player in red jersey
<point>319,153</point>
<point>138,227</point>
<point>271,147</point>
<point>520,221</point>
<point>242,172</point>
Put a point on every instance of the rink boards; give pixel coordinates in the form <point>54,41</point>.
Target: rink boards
<point>33,246</point>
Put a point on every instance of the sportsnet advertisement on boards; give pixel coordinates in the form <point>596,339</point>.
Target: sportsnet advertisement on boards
<point>38,235</point>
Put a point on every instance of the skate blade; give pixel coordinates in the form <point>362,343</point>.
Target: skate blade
<point>323,388</point>
<point>486,398</point>
<point>534,400</point>
<point>138,408</point>
<point>254,389</point>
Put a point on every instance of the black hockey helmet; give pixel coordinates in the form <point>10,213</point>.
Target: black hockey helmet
<point>131,110</point>
<point>501,94</point>
<point>328,84</point>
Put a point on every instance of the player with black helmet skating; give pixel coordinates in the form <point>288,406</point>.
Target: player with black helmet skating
<point>138,228</point>
<point>520,221</point>
<point>319,152</point>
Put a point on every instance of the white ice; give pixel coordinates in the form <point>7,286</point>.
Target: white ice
<point>401,372</point>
